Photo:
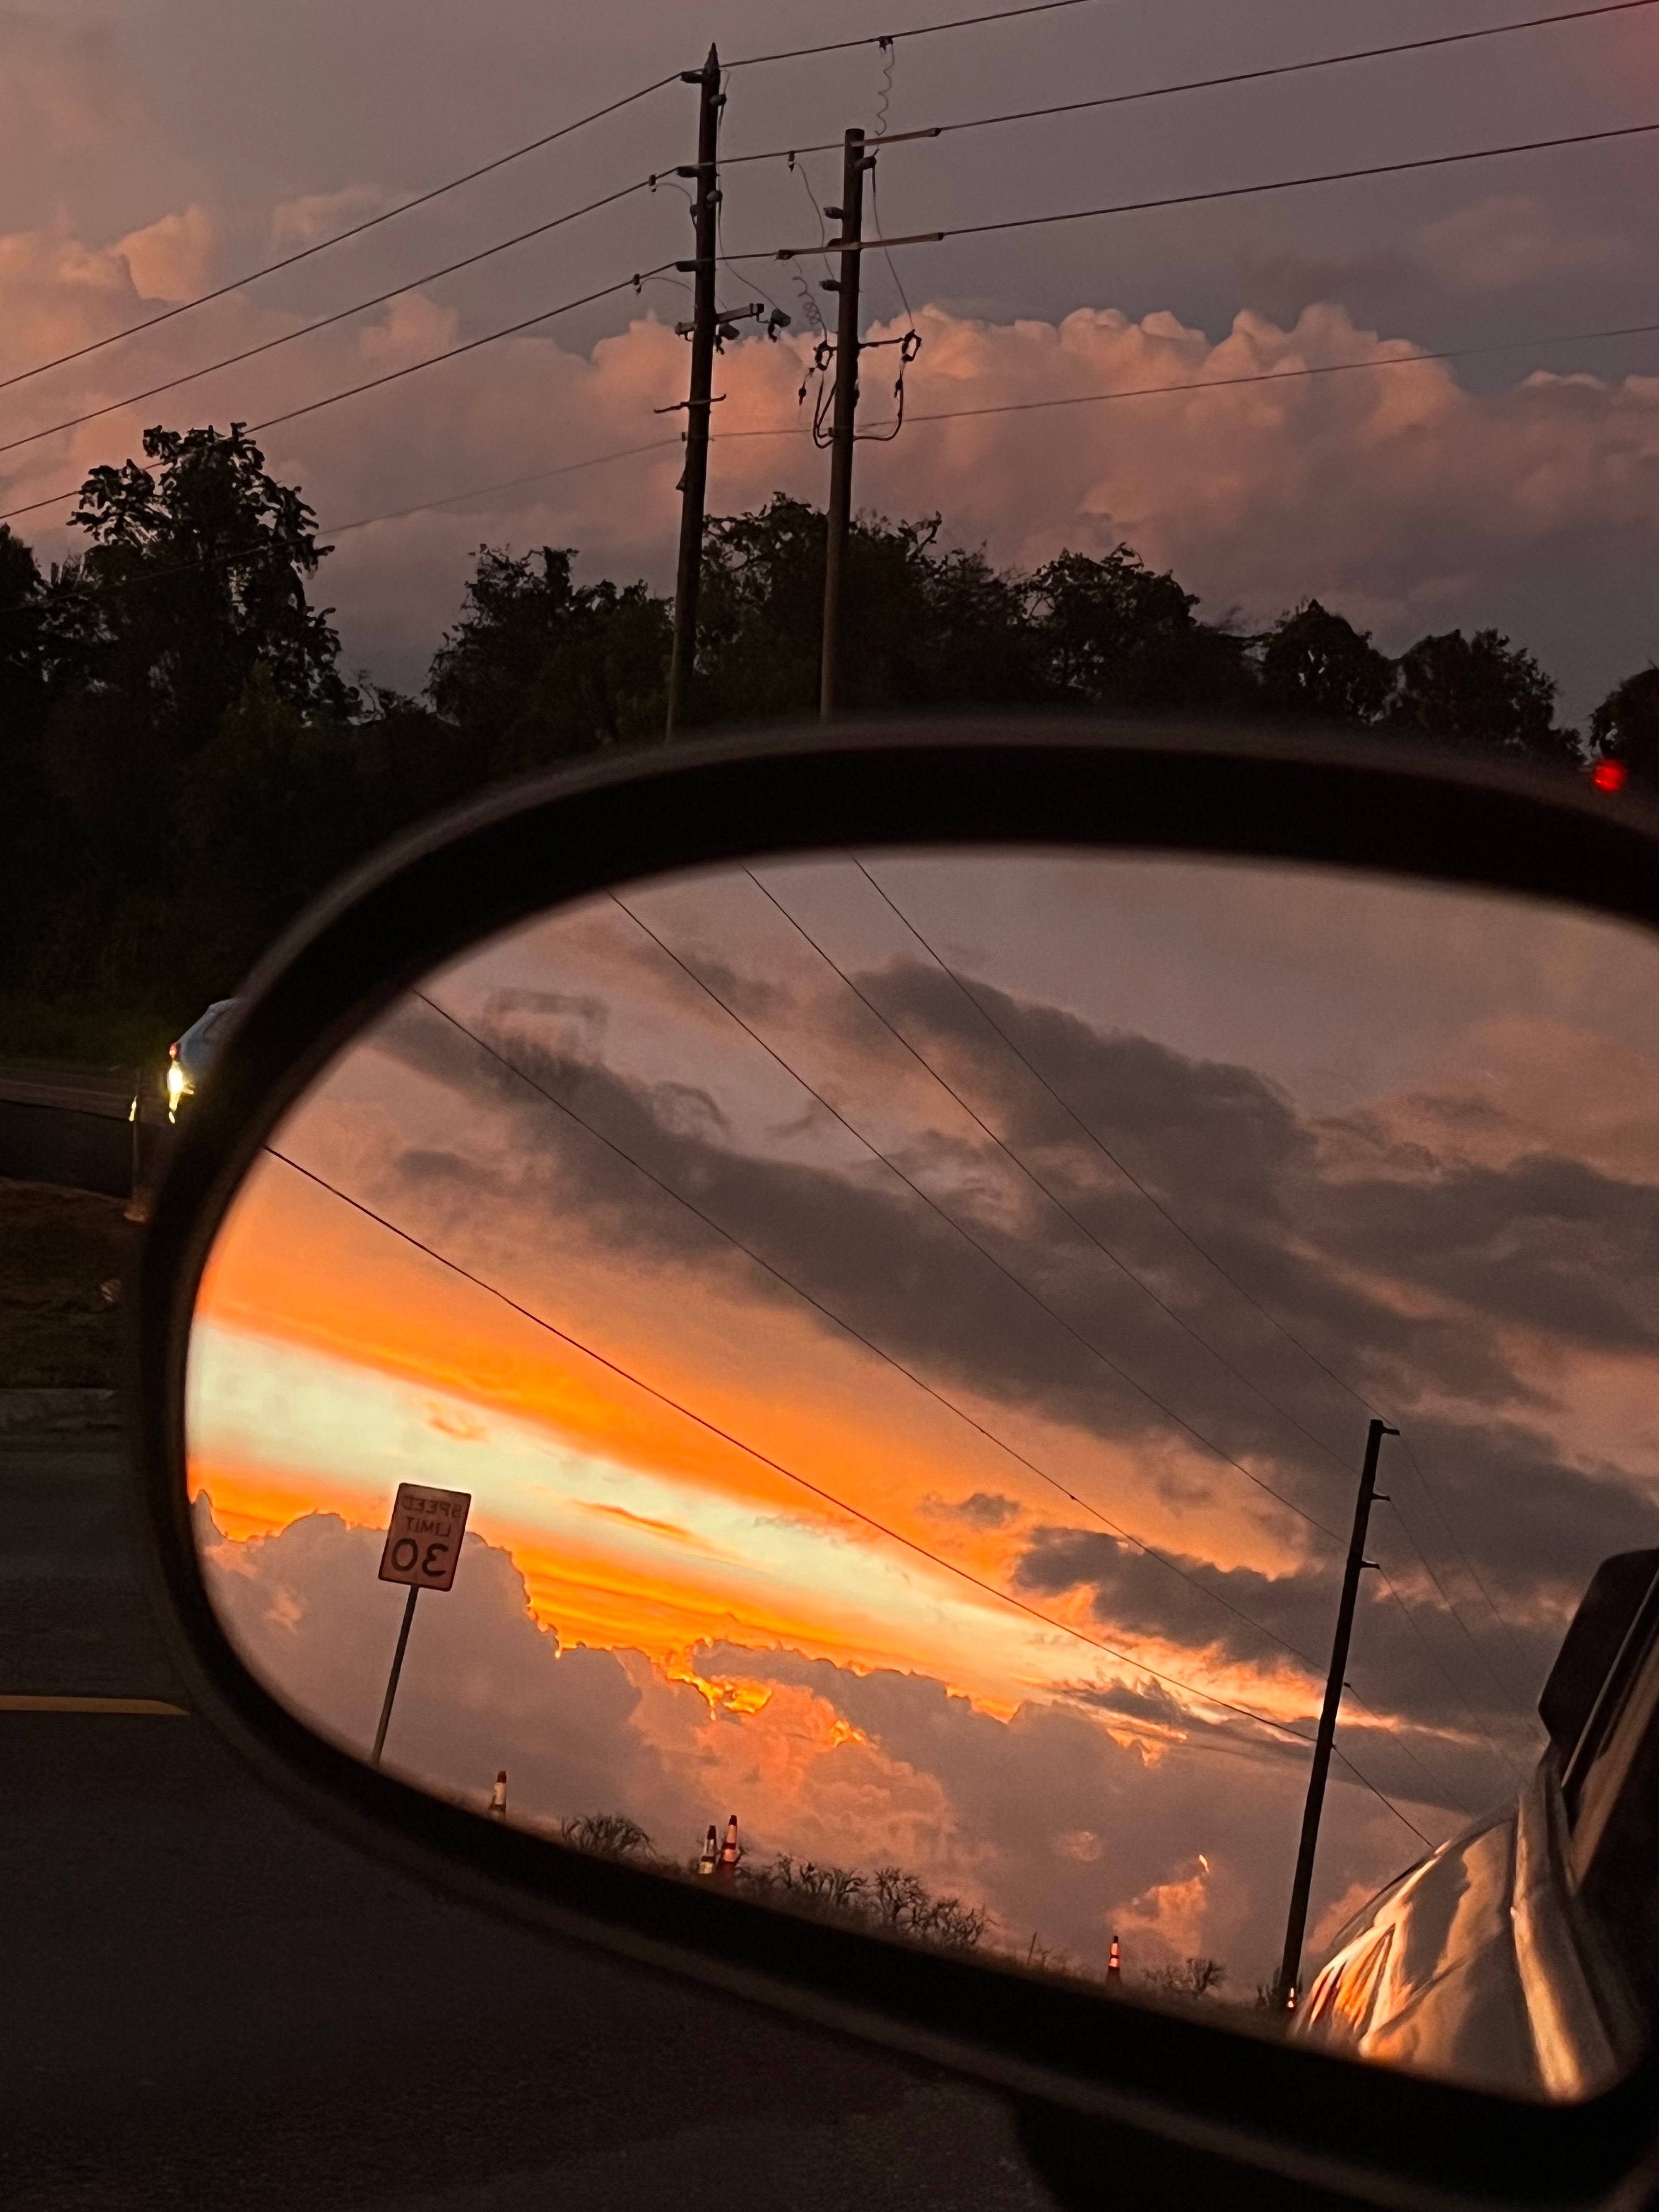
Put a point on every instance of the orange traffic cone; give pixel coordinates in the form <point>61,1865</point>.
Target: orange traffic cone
<point>730,1851</point>
<point>498,1797</point>
<point>711,1852</point>
<point>1114,1963</point>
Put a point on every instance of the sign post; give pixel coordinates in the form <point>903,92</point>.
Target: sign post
<point>422,1548</point>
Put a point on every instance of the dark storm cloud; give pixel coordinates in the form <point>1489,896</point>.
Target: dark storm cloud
<point>984,1509</point>
<point>1546,1243</point>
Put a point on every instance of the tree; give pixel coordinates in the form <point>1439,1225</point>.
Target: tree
<point>923,624</point>
<point>1625,726</point>
<point>1185,1977</point>
<point>541,668</point>
<point>608,1835</point>
<point>196,575</point>
<point>194,772</point>
<point>1118,634</point>
<point>1316,666</point>
<point>1481,690</point>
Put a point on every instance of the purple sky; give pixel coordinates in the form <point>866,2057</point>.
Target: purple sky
<point>154,149</point>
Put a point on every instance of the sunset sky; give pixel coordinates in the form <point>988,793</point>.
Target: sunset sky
<point>152,150</point>
<point>908,1327</point>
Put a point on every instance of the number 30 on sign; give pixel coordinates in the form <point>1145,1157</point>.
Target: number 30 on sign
<point>423,1542</point>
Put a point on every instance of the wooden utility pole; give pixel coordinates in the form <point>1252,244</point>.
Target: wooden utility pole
<point>1290,1971</point>
<point>694,484</point>
<point>854,162</point>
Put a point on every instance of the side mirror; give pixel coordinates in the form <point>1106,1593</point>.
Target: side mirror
<point>1592,1646</point>
<point>776,1356</point>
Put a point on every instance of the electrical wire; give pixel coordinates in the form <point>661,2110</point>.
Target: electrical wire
<point>1112,1157</point>
<point>828,1498</point>
<point>1515,1772</point>
<point>1468,1563</point>
<point>325,322</point>
<point>339,237</point>
<point>409,368</point>
<point>889,1358</point>
<point>1232,77</point>
<point>1504,1690</point>
<point>1036,1181</point>
<point>952,1092</point>
<point>934,1205</point>
<point>486,168</point>
<point>1230,191</point>
<point>915,31</point>
<point>1099,1142</point>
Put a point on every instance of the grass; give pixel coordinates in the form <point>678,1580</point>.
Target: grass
<point>56,1248</point>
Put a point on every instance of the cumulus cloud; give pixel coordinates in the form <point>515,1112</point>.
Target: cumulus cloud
<point>1061,1830</point>
<point>170,259</point>
<point>313,216</point>
<point>484,1685</point>
<point>1387,489</point>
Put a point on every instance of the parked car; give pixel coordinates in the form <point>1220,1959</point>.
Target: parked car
<point>1487,1961</point>
<point>189,1055</point>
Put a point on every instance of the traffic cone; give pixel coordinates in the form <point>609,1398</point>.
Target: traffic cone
<point>730,1852</point>
<point>498,1797</point>
<point>711,1852</point>
<point>1114,1963</point>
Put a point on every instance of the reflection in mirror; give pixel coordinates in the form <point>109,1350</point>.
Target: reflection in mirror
<point>849,1381</point>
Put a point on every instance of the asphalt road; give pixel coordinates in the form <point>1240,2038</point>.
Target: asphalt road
<point>207,2002</point>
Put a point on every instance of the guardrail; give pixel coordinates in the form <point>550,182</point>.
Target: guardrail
<point>73,1127</point>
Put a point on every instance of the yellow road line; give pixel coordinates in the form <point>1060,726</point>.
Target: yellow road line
<point>90,1705</point>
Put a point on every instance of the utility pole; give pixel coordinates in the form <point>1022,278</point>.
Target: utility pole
<point>1290,1971</point>
<point>854,162</point>
<point>694,484</point>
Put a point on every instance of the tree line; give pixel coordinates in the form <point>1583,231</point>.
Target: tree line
<point>185,764</point>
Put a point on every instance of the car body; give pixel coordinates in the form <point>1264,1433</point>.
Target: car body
<point>1489,1959</point>
<point>190,1054</point>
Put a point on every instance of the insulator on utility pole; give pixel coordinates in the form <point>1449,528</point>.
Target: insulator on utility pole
<point>1290,1971</point>
<point>498,1797</point>
<point>854,162</point>
<point>693,483</point>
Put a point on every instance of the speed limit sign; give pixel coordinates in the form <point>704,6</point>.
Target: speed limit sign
<point>423,1542</point>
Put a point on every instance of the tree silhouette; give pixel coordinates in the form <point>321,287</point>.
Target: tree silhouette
<point>1316,666</point>
<point>1481,690</point>
<point>1625,726</point>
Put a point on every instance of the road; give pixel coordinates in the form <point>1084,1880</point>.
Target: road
<point>208,2002</point>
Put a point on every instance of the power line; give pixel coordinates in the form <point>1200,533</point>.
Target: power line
<point>1232,77</point>
<point>852,1512</point>
<point>1099,1142</point>
<point>1203,1253</point>
<point>889,1358</point>
<point>339,315</point>
<point>1031,1176</point>
<point>1468,1563</point>
<point>409,368</point>
<point>1228,191</point>
<point>339,237</point>
<point>486,168</point>
<point>1504,1690</point>
<point>916,31</point>
<point>1194,1333</point>
<point>934,1205</point>
<point>1503,1757</point>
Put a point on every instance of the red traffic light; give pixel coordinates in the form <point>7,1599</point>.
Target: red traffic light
<point>1609,775</point>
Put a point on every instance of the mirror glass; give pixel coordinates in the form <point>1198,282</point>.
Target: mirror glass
<point>850,1380</point>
